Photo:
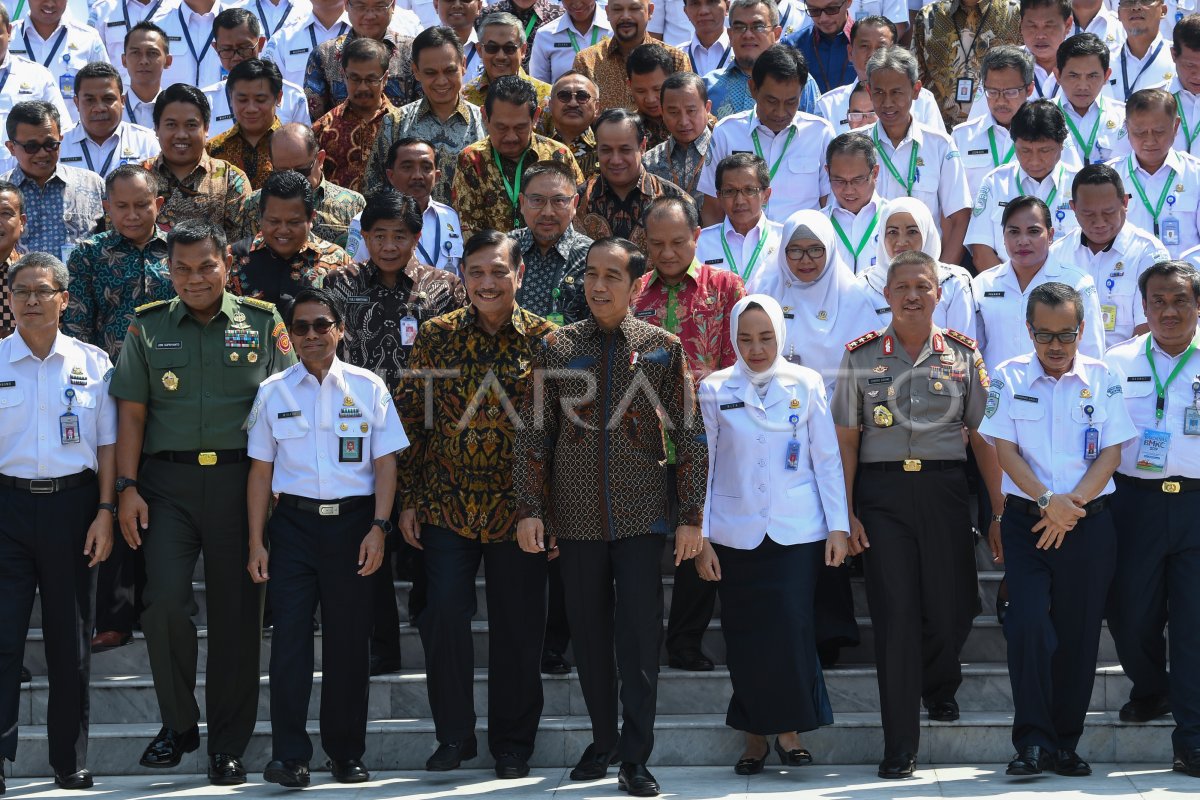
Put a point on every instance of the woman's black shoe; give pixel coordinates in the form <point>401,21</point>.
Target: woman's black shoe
<point>751,766</point>
<point>793,758</point>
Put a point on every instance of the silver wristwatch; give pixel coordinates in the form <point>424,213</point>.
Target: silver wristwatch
<point>1044,501</point>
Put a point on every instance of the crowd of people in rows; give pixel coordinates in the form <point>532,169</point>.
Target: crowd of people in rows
<point>335,292</point>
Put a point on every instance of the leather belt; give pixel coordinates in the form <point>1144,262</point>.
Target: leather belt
<point>324,508</point>
<point>1031,508</point>
<point>1173,485</point>
<point>912,465</point>
<point>49,485</point>
<point>205,458</point>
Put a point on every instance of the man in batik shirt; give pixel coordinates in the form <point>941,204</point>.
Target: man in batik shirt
<point>685,112</point>
<point>348,132</point>
<point>12,222</point>
<point>255,87</point>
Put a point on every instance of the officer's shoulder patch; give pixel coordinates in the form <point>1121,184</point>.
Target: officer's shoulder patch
<point>256,303</point>
<point>962,338</point>
<point>142,309</point>
<point>860,341</point>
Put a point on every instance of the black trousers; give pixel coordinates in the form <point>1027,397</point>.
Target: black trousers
<point>516,599</point>
<point>1158,567</point>
<point>1053,625</point>
<point>615,600</point>
<point>692,599</point>
<point>314,561</point>
<point>921,582</point>
<point>41,546</point>
<point>119,586</point>
<point>402,562</point>
<point>558,630</point>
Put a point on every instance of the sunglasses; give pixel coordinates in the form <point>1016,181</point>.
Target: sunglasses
<point>579,96</point>
<point>491,48</point>
<point>50,146</point>
<point>321,325</point>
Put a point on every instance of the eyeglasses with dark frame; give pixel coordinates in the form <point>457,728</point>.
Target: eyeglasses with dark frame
<point>321,325</point>
<point>42,293</point>
<point>828,11</point>
<point>491,48</point>
<point>814,253</point>
<point>1046,337</point>
<point>31,148</point>
<point>560,202</point>
<point>749,192</point>
<point>249,51</point>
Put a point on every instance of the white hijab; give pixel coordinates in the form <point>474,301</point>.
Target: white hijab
<point>931,238</point>
<point>760,380</point>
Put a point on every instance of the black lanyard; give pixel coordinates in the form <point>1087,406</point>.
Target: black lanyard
<point>125,12</point>
<point>53,50</point>
<point>1146,66</point>
<point>107,162</point>
<point>968,51</point>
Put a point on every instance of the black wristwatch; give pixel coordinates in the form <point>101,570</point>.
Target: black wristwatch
<point>383,525</point>
<point>109,507</point>
<point>125,483</point>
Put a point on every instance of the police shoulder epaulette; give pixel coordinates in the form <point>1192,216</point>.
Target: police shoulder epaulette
<point>142,309</point>
<point>254,301</point>
<point>962,338</point>
<point>860,341</point>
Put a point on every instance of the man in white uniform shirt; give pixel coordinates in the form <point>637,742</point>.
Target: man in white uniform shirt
<point>917,162</point>
<point>1144,61</point>
<point>1163,183</point>
<point>1002,292</point>
<point>745,241</point>
<point>20,78</point>
<point>290,46</point>
<point>708,48</point>
<point>56,41</point>
<point>791,142</point>
<point>983,142</point>
<point>114,19</point>
<point>1185,50</point>
<point>1111,250</point>
<point>558,41</point>
<point>147,55</point>
<point>1038,132</point>
<point>855,208</point>
<point>1096,122</point>
<point>274,14</point>
<point>669,22</point>
<point>103,141</point>
<point>189,28</point>
<point>1092,17</point>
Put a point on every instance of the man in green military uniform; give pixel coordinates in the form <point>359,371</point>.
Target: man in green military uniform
<point>188,375</point>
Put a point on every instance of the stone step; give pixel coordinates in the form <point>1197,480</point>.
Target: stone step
<point>984,644</point>
<point>986,687</point>
<point>680,740</point>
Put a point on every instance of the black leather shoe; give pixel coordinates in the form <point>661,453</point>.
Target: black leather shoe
<point>793,758</point>
<point>945,711</point>
<point>383,666</point>
<point>26,675</point>
<point>349,771</point>
<point>636,780</point>
<point>553,663</point>
<point>168,748</point>
<point>225,770</point>
<point>289,774</point>
<point>1031,760</point>
<point>593,764</point>
<point>751,766</point>
<point>1145,709</point>
<point>510,766</point>
<point>450,756</point>
<point>1068,764</point>
<point>691,660</point>
<point>73,781</point>
<point>1188,762</point>
<point>896,767</point>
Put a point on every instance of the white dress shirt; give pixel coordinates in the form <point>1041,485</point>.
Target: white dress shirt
<point>706,59</point>
<point>190,40</point>
<point>799,181</point>
<point>293,108</point>
<point>751,495</point>
<point>558,41</point>
<point>1000,310</point>
<point>939,180</point>
<point>835,104</point>
<point>1046,418</point>
<point>1128,361</point>
<point>112,19</point>
<point>440,245</point>
<point>138,111</point>
<point>291,46</point>
<point>1187,140</point>
<point>955,311</point>
<point>1007,183</point>
<point>33,398</point>
<point>669,22</point>
<point>128,144</point>
<point>1115,271</point>
<point>1106,118</point>
<point>273,15</point>
<point>982,146</point>
<point>1176,10</point>
<point>425,10</point>
<point>1182,201</point>
<point>1106,26</point>
<point>710,251</point>
<point>855,227</point>
<point>22,80</point>
<point>895,10</point>
<point>1129,73</point>
<point>70,47</point>
<point>302,426</point>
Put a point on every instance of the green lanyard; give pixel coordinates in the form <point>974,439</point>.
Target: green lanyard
<point>887,162</point>
<point>533,20</point>
<point>1162,198</point>
<point>513,192</point>
<point>1091,142</point>
<point>996,162</point>
<point>762,240</point>
<point>575,42</point>
<point>786,145</point>
<point>1161,387</point>
<point>1188,133</point>
<point>861,243</point>
<point>1053,192</point>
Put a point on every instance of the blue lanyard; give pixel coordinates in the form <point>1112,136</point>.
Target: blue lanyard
<point>1146,66</point>
<point>4,80</point>
<point>262,15</point>
<point>191,46</point>
<point>312,32</point>
<point>721,63</point>
<point>149,14</point>
<point>1038,85</point>
<point>107,162</point>
<point>53,50</point>
<point>128,109</point>
<point>471,57</point>
<point>437,241</point>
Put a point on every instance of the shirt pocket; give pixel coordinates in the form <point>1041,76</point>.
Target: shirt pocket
<point>353,440</point>
<point>725,481</point>
<point>168,368</point>
<point>1138,388</point>
<point>244,374</point>
<point>13,413</point>
<point>290,428</point>
<point>802,178</point>
<point>1028,420</point>
<point>1096,419</point>
<point>945,400</point>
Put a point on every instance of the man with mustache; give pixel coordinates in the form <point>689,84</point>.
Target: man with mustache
<point>103,141</point>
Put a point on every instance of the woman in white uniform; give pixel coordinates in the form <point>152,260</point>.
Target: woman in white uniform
<point>771,442</point>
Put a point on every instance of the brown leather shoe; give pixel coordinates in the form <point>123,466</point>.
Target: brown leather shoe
<point>110,640</point>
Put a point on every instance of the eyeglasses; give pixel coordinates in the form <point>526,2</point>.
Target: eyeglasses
<point>579,96</point>
<point>815,253</point>
<point>369,10</point>
<point>369,80</point>
<point>560,202</point>
<point>858,117</point>
<point>857,182</point>
<point>305,171</point>
<point>1137,3</point>
<point>1012,93</point>
<point>750,192</point>
<point>491,48</point>
<point>321,325</point>
<point>758,28</point>
<point>1044,337</point>
<point>249,51</point>
<point>42,293</point>
<point>828,11</point>
<point>50,146</point>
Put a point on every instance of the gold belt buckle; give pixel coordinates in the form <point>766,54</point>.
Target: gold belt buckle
<point>329,509</point>
<point>207,459</point>
<point>1171,487</point>
<point>912,465</point>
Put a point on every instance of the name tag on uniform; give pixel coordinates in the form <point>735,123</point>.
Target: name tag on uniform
<point>299,51</point>
<point>729,406</point>
<point>70,159</point>
<point>787,315</point>
<point>1025,397</point>
<point>7,384</point>
<point>168,345</point>
<point>649,312</point>
<point>224,117</point>
<point>712,261</point>
<point>118,24</point>
<point>884,379</point>
<point>562,44</point>
<point>357,298</point>
<point>1138,379</point>
<point>983,152</point>
<point>174,38</point>
<point>287,414</point>
<point>993,294</point>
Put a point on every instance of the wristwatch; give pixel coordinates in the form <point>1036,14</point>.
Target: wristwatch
<point>109,507</point>
<point>383,525</point>
<point>1044,500</point>
<point>997,518</point>
<point>125,483</point>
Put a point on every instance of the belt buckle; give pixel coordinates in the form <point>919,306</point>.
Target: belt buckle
<point>1171,487</point>
<point>41,486</point>
<point>912,465</point>
<point>329,509</point>
<point>207,459</point>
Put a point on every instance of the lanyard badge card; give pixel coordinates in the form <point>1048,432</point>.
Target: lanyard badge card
<point>1191,414</point>
<point>1091,437</point>
<point>1170,224</point>
<point>68,423</point>
<point>792,462</point>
